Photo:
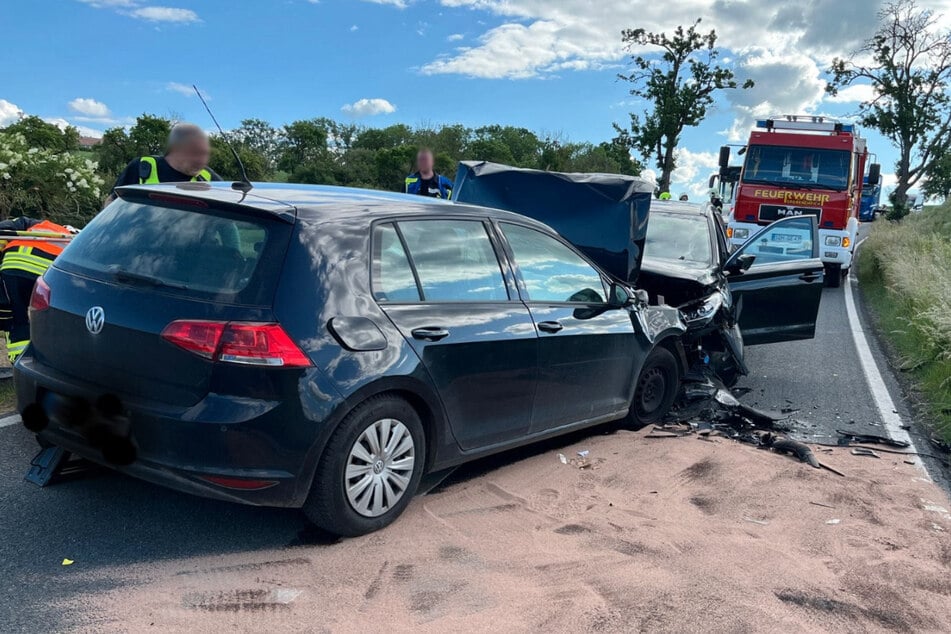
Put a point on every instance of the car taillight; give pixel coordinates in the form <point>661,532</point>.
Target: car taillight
<point>247,343</point>
<point>40,299</point>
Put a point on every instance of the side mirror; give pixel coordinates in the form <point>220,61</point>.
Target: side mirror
<point>740,263</point>
<point>724,157</point>
<point>874,173</point>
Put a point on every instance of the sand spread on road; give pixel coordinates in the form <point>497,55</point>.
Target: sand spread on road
<point>674,534</point>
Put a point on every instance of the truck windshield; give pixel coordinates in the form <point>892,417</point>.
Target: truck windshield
<point>797,166</point>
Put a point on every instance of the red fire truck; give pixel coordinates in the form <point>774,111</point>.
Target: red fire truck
<point>797,165</point>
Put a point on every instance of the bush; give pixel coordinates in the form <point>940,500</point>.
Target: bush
<point>44,183</point>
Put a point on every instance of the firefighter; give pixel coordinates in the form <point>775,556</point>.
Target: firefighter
<point>23,262</point>
<point>425,181</point>
<point>186,159</point>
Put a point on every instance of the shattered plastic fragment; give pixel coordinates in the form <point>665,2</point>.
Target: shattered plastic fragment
<point>563,459</point>
<point>833,522</point>
<point>68,562</point>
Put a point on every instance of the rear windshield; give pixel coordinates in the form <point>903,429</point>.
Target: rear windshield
<point>169,248</point>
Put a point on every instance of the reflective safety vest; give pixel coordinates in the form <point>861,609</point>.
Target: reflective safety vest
<point>153,179</point>
<point>413,185</point>
<point>33,256</point>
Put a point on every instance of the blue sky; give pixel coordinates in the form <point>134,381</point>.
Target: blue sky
<point>548,65</point>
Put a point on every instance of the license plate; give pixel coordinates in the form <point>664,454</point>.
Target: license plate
<point>786,237</point>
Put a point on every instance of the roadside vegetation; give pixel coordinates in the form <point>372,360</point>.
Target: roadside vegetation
<point>905,272</point>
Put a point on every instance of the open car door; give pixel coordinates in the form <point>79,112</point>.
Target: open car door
<point>776,279</point>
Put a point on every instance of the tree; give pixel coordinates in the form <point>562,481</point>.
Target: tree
<point>222,160</point>
<point>680,86</point>
<point>938,184</point>
<point>44,135</point>
<point>908,64</point>
<point>259,137</point>
<point>146,137</point>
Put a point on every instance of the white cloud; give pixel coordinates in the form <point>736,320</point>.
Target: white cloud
<point>856,93</point>
<point>692,173</point>
<point>136,9</point>
<point>90,132</point>
<point>109,4</point>
<point>165,14</point>
<point>368,107</point>
<point>354,28</point>
<point>399,4</point>
<point>89,107</point>
<point>59,122</point>
<point>786,83</point>
<point>183,89</point>
<point>9,113</point>
<point>455,37</point>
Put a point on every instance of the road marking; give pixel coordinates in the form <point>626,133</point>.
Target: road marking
<point>873,374</point>
<point>10,420</point>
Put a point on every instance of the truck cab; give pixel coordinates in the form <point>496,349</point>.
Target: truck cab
<point>803,165</point>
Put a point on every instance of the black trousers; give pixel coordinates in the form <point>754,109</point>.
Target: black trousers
<point>19,287</point>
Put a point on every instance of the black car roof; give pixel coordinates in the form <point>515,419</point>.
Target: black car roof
<point>318,202</point>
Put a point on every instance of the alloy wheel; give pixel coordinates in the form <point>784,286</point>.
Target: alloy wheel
<point>379,467</point>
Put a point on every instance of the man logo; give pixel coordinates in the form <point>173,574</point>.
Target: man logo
<point>95,319</point>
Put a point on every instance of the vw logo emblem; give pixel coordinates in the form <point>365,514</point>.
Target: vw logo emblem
<point>95,319</point>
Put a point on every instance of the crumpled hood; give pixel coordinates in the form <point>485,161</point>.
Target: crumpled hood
<point>604,215</point>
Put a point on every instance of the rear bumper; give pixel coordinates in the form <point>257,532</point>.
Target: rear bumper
<point>244,439</point>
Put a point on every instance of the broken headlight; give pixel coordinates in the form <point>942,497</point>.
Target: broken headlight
<point>702,310</point>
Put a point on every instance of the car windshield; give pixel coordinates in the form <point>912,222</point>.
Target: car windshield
<point>791,166</point>
<point>680,238</point>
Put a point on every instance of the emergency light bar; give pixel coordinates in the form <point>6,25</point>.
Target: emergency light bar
<point>807,123</point>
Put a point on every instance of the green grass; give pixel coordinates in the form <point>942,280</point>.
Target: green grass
<point>905,273</point>
<point>8,399</point>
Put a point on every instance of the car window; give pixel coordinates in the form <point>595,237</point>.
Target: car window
<point>454,260</point>
<point>179,250</point>
<point>783,241</point>
<point>393,279</point>
<point>553,272</point>
<point>680,238</point>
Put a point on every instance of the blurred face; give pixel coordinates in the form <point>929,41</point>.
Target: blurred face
<point>192,156</point>
<point>424,162</point>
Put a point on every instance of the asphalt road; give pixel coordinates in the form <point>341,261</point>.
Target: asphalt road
<point>106,519</point>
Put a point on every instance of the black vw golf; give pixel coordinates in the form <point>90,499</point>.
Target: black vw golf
<point>322,348</point>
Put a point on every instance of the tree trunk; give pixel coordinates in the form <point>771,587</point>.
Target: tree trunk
<point>667,167</point>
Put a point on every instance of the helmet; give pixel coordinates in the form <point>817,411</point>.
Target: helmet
<point>665,196</point>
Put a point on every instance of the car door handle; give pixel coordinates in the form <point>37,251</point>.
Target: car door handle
<point>550,326</point>
<point>430,333</point>
<point>809,277</point>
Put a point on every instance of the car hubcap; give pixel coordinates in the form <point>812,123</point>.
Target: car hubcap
<point>653,387</point>
<point>379,467</point>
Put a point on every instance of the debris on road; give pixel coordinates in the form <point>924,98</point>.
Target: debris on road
<point>68,562</point>
<point>833,522</point>
<point>828,506</point>
<point>848,437</point>
<point>862,451</point>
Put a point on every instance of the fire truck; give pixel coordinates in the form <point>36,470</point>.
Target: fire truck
<point>798,165</point>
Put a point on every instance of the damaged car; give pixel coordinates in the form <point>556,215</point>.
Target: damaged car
<point>766,291</point>
<point>349,342</point>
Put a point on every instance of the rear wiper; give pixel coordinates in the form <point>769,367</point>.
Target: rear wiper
<point>137,278</point>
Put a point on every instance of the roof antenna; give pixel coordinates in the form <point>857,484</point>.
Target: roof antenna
<point>244,185</point>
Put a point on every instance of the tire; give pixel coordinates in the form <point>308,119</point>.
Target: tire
<point>834,276</point>
<point>656,388</point>
<point>352,511</point>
